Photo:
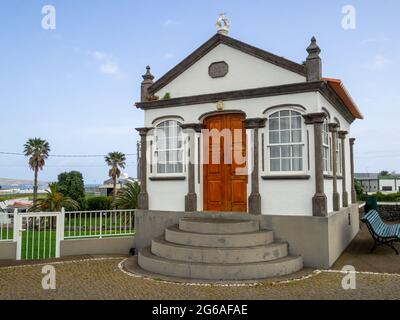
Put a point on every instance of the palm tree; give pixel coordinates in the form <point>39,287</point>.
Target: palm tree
<point>115,160</point>
<point>54,201</point>
<point>127,197</point>
<point>38,151</point>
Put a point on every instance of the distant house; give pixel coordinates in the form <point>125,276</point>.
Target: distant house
<point>373,182</point>
<point>106,189</point>
<point>369,181</point>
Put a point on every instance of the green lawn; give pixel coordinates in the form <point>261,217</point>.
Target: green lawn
<point>42,244</point>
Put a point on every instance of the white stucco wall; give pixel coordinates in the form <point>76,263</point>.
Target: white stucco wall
<point>285,197</point>
<point>245,72</point>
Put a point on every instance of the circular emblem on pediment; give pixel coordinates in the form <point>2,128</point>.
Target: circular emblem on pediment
<point>218,69</point>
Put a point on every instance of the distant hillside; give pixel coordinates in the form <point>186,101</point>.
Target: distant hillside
<point>12,182</point>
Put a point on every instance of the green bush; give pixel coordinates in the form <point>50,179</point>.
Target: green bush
<point>390,197</point>
<point>99,203</point>
<point>360,194</point>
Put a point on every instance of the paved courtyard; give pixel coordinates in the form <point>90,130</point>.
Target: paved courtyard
<point>102,278</point>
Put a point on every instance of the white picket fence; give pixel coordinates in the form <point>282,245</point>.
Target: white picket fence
<point>38,235</point>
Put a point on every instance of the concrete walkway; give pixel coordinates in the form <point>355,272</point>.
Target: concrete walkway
<point>102,278</point>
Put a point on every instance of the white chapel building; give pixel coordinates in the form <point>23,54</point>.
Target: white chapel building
<point>290,128</point>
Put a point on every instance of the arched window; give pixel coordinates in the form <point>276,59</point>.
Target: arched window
<point>286,141</point>
<point>168,147</point>
<point>338,151</point>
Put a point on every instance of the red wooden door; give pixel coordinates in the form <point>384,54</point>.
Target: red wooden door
<point>224,168</point>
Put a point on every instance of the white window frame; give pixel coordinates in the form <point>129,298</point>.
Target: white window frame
<point>326,146</point>
<point>303,144</point>
<point>155,151</point>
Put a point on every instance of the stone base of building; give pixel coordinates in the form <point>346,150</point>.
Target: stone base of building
<point>319,240</point>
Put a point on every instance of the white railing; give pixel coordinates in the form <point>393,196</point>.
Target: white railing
<point>98,224</point>
<point>38,235</point>
<point>6,226</point>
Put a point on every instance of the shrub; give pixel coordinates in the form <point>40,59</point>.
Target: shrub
<point>166,96</point>
<point>390,197</point>
<point>99,203</point>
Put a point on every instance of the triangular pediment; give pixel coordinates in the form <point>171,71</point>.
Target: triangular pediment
<point>236,65</point>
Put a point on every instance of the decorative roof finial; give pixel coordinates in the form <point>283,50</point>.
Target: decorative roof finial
<point>148,75</point>
<point>313,49</point>
<point>223,24</point>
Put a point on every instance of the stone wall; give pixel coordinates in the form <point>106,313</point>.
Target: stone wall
<point>389,211</point>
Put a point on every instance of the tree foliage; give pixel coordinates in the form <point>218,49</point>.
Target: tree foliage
<point>71,185</point>
<point>127,197</point>
<point>38,151</point>
<point>54,201</point>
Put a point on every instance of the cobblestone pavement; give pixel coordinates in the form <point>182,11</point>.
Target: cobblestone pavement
<point>101,278</point>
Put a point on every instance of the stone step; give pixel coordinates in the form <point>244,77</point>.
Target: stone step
<point>218,271</point>
<point>173,251</point>
<point>247,239</point>
<point>218,226</point>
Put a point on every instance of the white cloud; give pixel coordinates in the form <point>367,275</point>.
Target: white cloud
<point>170,22</point>
<point>109,68</point>
<point>378,62</point>
<point>99,55</point>
<point>168,55</point>
<point>106,64</point>
<point>375,40</point>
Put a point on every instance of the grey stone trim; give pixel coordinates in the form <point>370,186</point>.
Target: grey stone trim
<point>254,123</point>
<point>143,197</point>
<point>218,69</point>
<point>233,43</point>
<point>330,177</point>
<point>167,117</point>
<point>345,196</point>
<point>337,103</point>
<point>319,201</point>
<point>254,206</point>
<point>233,95</point>
<point>191,196</point>
<point>214,113</point>
<point>314,118</point>
<point>335,195</point>
<point>171,178</point>
<point>284,105</point>
<point>194,126</point>
<point>146,84</point>
<point>353,190</point>
<point>313,62</point>
<point>287,177</point>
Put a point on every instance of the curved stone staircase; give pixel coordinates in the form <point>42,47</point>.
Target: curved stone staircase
<point>218,249</point>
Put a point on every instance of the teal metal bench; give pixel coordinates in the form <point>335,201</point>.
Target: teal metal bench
<point>382,233</point>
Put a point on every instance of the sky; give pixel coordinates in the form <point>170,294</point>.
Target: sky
<point>76,85</point>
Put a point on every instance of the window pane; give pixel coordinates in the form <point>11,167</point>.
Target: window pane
<point>286,151</point>
<point>275,152</point>
<point>274,115</point>
<point>169,147</point>
<point>284,113</point>
<point>274,137</point>
<point>285,123</point>
<point>285,136</point>
<point>296,123</point>
<point>274,124</point>
<point>296,136</point>
<point>275,165</point>
<point>297,151</point>
<point>286,165</point>
<point>297,164</point>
